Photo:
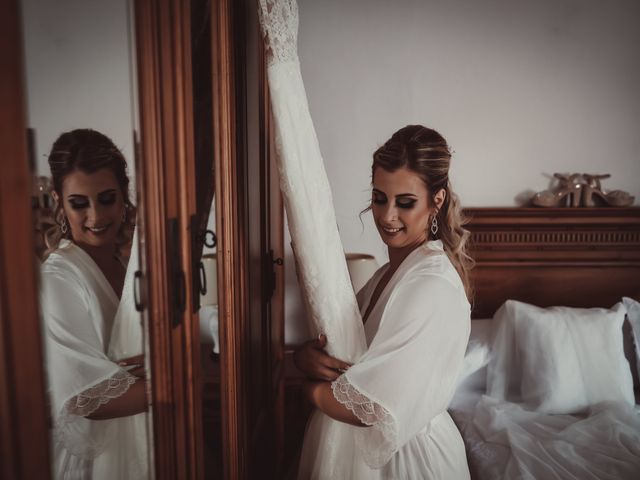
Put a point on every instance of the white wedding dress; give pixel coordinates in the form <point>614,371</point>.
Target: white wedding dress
<point>411,351</point>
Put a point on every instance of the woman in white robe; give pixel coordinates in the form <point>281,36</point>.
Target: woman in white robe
<point>389,408</point>
<point>91,395</point>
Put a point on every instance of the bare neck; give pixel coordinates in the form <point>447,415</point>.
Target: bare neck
<point>397,255</point>
<point>101,255</point>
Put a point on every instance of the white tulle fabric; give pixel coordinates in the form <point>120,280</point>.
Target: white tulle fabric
<point>322,267</point>
<point>78,309</point>
<point>522,427</point>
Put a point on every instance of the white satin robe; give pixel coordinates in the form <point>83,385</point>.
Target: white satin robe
<point>416,335</point>
<point>78,309</point>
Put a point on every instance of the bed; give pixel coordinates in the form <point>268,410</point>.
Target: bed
<point>524,410</point>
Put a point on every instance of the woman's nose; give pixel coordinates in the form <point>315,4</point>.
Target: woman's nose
<point>95,213</point>
<point>390,213</point>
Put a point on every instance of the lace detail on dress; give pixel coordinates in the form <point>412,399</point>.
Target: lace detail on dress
<point>378,443</point>
<point>92,398</point>
<point>279,20</point>
<point>85,403</point>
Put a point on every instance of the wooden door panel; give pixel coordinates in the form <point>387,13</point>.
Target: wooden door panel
<point>24,425</point>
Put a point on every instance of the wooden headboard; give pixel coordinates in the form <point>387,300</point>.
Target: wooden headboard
<point>578,257</point>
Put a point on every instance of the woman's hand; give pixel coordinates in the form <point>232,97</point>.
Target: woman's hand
<point>134,365</point>
<point>314,362</point>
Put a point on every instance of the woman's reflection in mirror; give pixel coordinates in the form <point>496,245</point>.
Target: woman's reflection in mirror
<point>82,278</point>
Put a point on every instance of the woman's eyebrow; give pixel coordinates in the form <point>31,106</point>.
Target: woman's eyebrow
<point>375,190</point>
<point>111,190</point>
<point>407,195</point>
<point>76,195</point>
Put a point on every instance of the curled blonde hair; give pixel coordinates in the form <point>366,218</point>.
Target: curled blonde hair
<point>425,152</point>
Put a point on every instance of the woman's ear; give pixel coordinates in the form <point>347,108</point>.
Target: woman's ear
<point>439,198</point>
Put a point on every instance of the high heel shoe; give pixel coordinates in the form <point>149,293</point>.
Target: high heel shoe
<point>569,189</point>
<point>593,192</point>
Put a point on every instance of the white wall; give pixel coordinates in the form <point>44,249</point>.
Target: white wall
<point>80,71</point>
<point>520,89</point>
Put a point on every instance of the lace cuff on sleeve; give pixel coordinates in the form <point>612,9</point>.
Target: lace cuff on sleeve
<point>92,398</point>
<point>378,443</point>
<point>74,431</point>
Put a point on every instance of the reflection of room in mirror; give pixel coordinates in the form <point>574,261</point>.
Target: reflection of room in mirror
<point>80,79</point>
<point>208,313</point>
<point>79,72</point>
<point>209,305</point>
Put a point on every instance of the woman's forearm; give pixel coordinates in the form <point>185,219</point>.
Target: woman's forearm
<point>321,396</point>
<point>132,402</point>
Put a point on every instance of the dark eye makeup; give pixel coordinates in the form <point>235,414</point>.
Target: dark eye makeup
<point>405,203</point>
<point>107,198</point>
<point>401,202</point>
<point>79,202</point>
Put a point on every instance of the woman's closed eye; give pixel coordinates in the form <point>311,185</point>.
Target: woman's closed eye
<point>78,203</point>
<point>405,203</point>
<point>400,203</point>
<point>107,198</point>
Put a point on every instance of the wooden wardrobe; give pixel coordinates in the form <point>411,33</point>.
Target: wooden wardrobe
<point>204,133</point>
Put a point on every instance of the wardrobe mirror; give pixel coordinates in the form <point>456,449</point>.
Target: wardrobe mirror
<point>204,223</point>
<point>80,71</point>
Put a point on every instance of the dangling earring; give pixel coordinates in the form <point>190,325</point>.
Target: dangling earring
<point>434,226</point>
<point>64,227</point>
<point>124,215</point>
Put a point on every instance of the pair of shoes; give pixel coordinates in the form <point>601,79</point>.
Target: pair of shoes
<point>592,192</point>
<point>569,189</point>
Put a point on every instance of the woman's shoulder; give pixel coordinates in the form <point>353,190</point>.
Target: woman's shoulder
<point>61,263</point>
<point>432,263</point>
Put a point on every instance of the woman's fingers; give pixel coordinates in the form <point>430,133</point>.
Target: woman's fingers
<point>135,360</point>
<point>333,363</point>
<point>327,374</point>
<point>328,360</point>
<point>313,361</point>
<point>138,372</point>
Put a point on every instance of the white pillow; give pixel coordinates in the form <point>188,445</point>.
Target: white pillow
<point>570,358</point>
<point>633,314</point>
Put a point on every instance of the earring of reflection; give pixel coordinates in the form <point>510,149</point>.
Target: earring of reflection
<point>434,226</point>
<point>124,216</point>
<point>64,227</point>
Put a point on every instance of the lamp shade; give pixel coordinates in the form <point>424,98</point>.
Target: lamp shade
<point>210,272</point>
<point>361,267</point>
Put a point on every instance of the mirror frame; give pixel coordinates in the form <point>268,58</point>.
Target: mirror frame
<point>24,432</point>
<point>166,166</point>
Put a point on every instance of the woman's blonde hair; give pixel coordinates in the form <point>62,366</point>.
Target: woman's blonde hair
<point>425,152</point>
<point>88,151</point>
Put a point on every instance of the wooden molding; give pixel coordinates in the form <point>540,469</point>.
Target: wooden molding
<point>164,83</point>
<point>24,429</point>
<point>231,243</point>
<point>581,257</point>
